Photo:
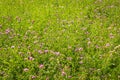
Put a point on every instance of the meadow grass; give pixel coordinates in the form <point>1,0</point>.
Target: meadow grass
<point>59,39</point>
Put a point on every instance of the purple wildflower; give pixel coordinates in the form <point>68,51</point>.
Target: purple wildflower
<point>46,51</point>
<point>30,58</point>
<point>41,66</point>
<point>33,77</point>
<point>7,31</point>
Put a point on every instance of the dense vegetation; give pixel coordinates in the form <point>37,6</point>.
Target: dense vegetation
<point>59,39</point>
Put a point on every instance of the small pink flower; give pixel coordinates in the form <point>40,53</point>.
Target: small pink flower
<point>107,45</point>
<point>79,49</point>
<point>33,77</point>
<point>46,51</point>
<point>40,51</point>
<point>41,66</point>
<point>97,47</point>
<point>63,73</point>
<point>56,53</point>
<point>25,69</point>
<point>30,58</point>
<point>7,31</point>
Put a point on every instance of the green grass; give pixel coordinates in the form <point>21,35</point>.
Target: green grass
<point>59,39</point>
